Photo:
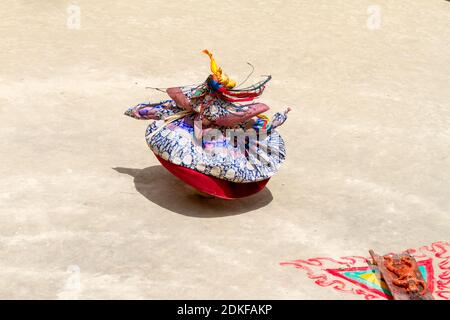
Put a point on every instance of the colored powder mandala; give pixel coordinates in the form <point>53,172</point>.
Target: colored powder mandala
<point>353,274</point>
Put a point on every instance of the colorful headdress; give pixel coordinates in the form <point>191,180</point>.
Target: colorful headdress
<point>222,85</point>
<point>217,71</point>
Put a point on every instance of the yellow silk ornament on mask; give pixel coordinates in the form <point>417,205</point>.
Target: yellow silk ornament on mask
<point>217,71</point>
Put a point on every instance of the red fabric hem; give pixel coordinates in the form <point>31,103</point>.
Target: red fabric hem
<point>211,185</point>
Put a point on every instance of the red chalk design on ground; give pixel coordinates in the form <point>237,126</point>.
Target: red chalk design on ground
<point>352,274</point>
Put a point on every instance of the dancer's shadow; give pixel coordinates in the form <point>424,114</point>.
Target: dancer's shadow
<point>162,188</point>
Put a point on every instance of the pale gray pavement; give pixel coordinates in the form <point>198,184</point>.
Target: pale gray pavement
<point>82,197</point>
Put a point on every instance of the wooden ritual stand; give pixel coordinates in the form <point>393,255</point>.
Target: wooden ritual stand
<point>402,276</point>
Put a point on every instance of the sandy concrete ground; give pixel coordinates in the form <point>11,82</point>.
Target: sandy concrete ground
<point>86,210</point>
